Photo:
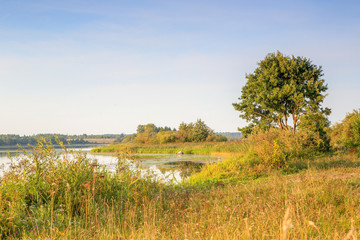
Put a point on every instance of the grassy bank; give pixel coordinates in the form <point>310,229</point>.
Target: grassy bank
<point>52,196</point>
<point>321,206</point>
<point>226,148</point>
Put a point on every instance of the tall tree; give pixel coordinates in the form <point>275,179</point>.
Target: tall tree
<point>280,91</point>
<point>201,131</point>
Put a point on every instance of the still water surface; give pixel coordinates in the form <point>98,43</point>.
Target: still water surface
<point>163,167</point>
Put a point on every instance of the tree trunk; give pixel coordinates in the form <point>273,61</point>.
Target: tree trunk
<point>295,125</point>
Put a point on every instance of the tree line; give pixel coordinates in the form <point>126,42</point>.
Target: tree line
<point>187,132</point>
<point>13,139</point>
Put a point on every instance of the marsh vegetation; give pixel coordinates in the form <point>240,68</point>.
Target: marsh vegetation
<point>48,196</point>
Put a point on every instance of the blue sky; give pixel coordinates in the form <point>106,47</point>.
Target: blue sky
<point>106,66</point>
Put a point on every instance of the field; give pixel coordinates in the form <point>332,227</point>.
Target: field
<point>49,197</point>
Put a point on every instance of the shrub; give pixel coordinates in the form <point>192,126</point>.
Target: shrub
<point>277,147</point>
<point>346,134</point>
<point>315,125</point>
<point>193,132</point>
<point>165,137</point>
<point>259,154</point>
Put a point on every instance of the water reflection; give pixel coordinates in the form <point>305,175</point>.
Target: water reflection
<point>186,168</point>
<point>161,167</point>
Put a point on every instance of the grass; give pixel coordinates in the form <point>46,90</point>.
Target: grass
<point>52,196</point>
<point>45,190</point>
<point>321,206</point>
<point>215,148</point>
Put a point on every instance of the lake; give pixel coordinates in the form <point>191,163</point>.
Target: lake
<point>163,167</point>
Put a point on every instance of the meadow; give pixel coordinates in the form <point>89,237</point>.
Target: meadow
<point>268,189</point>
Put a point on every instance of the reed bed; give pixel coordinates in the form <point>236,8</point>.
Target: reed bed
<point>215,148</point>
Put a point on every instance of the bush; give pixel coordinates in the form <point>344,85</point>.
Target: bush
<point>165,137</point>
<point>346,134</point>
<point>315,125</point>
<point>259,154</point>
<point>193,132</point>
<point>276,147</point>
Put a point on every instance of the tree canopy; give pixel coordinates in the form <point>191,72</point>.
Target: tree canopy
<point>194,132</point>
<point>188,132</point>
<point>347,132</point>
<point>280,91</point>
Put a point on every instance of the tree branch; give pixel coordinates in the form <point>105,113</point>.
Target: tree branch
<point>264,116</point>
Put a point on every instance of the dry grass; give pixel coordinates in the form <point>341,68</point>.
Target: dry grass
<point>310,205</point>
<point>55,198</point>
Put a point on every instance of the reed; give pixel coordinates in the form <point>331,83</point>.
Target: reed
<point>310,205</point>
<point>187,148</point>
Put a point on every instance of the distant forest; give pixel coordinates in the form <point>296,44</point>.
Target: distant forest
<point>13,139</point>
<point>230,135</point>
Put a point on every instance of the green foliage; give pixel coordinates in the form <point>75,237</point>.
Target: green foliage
<point>46,190</point>
<point>191,132</point>
<point>261,153</point>
<point>51,196</point>
<point>13,140</point>
<point>316,125</point>
<point>148,134</point>
<point>166,137</point>
<point>151,128</point>
<point>184,132</point>
<point>346,134</point>
<point>201,131</point>
<point>276,148</point>
<point>140,129</point>
<point>273,148</point>
<point>194,132</point>
<point>218,148</point>
<point>280,91</point>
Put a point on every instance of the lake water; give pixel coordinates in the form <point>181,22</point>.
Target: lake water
<point>164,167</point>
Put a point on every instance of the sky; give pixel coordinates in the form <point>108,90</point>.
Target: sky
<point>95,67</point>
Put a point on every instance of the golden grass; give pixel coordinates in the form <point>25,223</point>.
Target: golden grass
<point>310,205</point>
<point>48,197</point>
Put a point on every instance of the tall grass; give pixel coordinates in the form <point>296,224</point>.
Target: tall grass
<point>187,148</point>
<point>319,205</point>
<point>46,190</point>
<point>260,154</point>
<point>47,195</point>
